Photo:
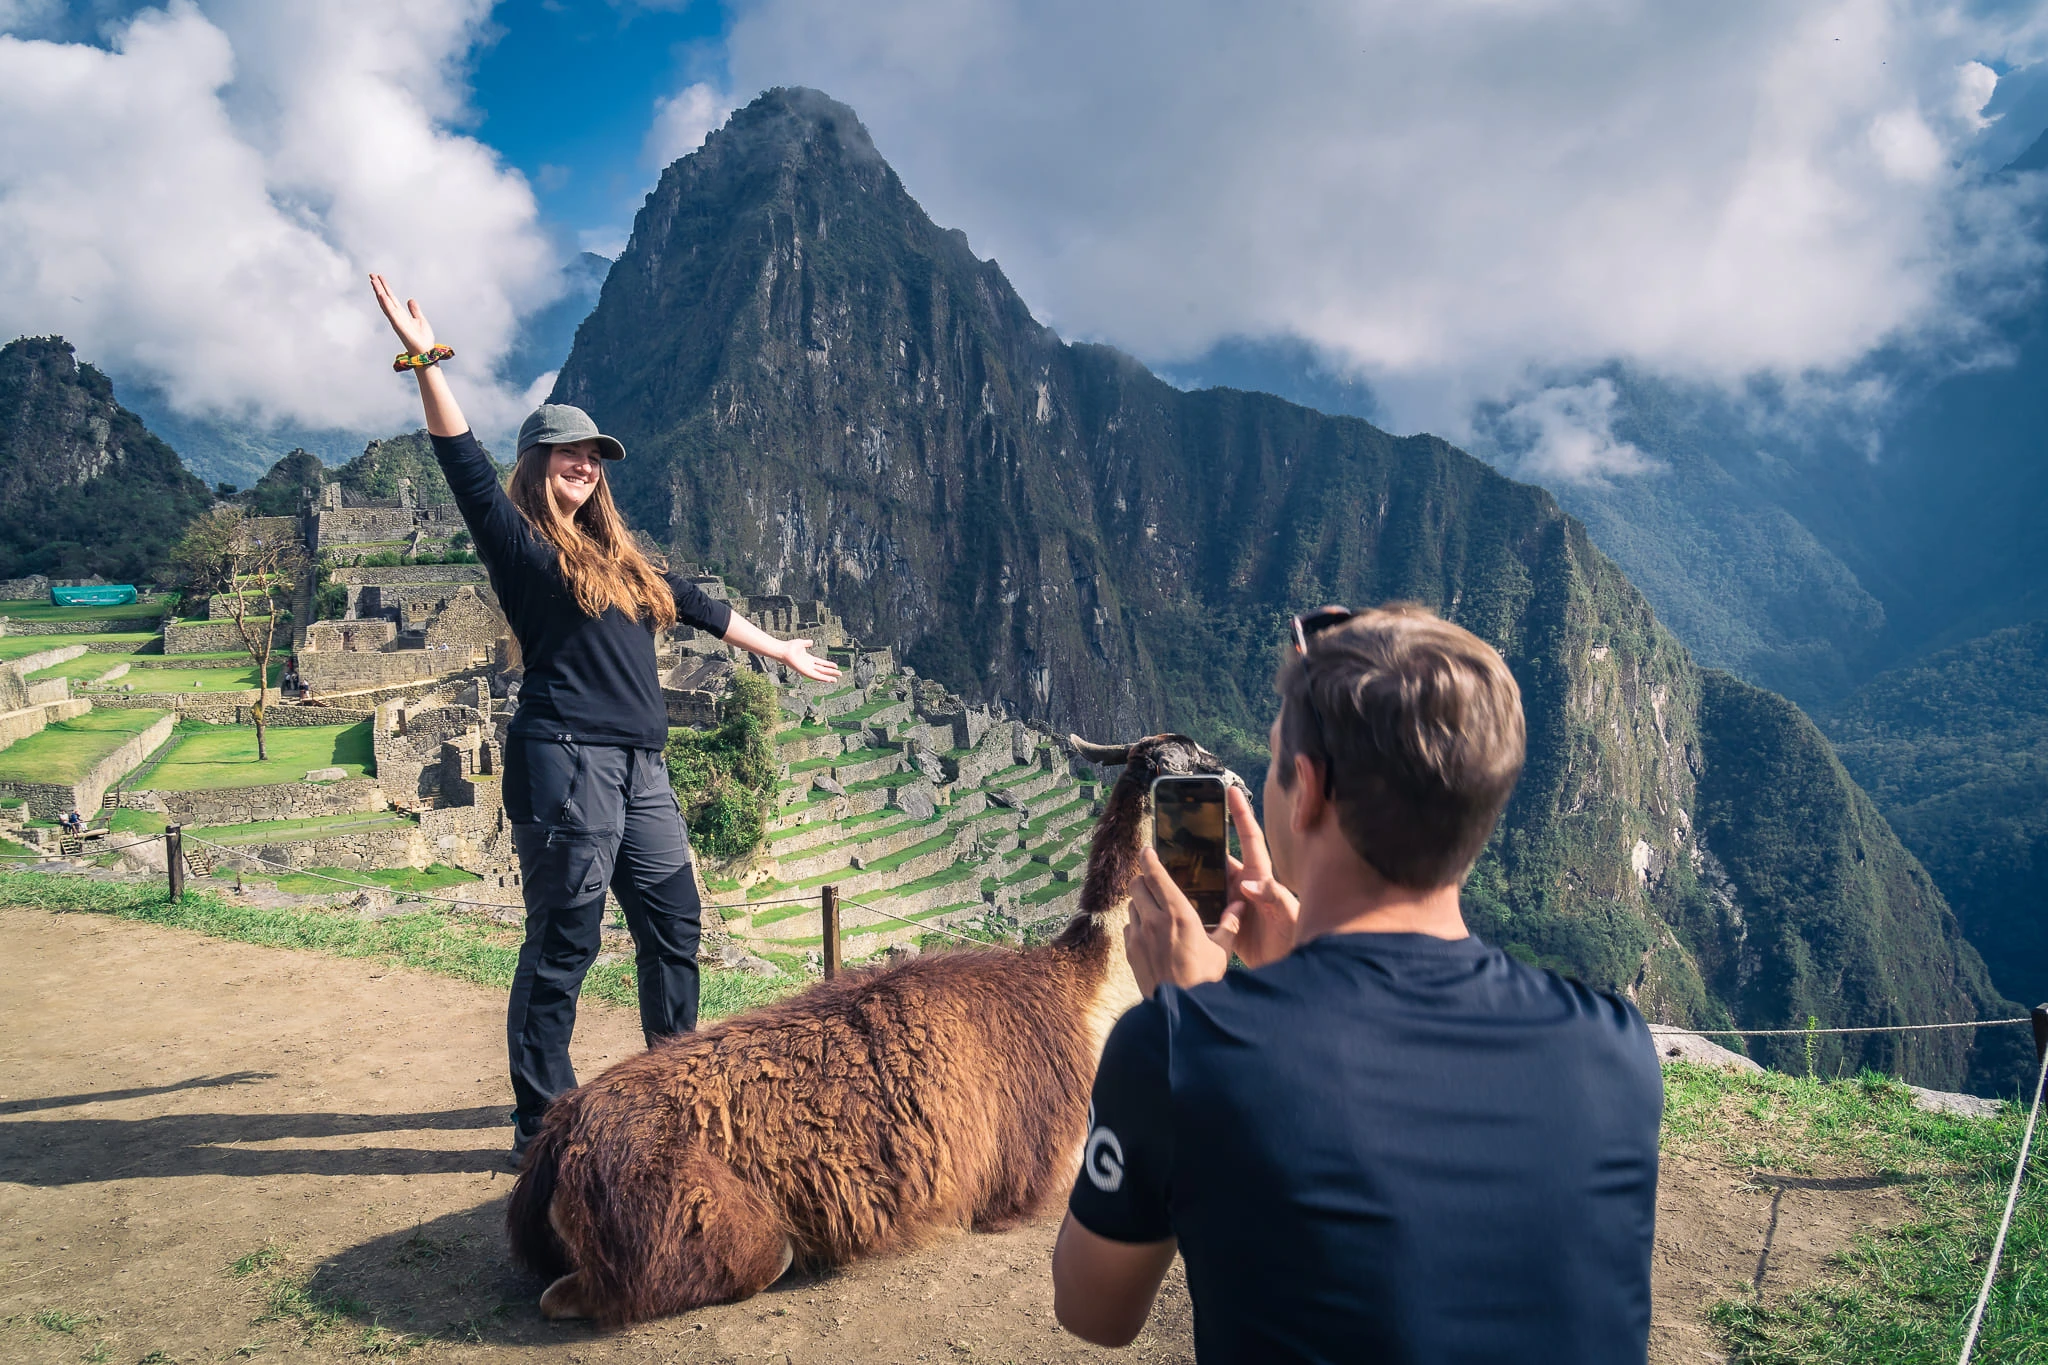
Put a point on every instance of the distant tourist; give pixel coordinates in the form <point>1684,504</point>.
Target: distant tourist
<point>1387,1140</point>
<point>74,823</point>
<point>585,784</point>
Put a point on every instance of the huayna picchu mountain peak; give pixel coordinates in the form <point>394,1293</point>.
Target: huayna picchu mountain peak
<point>825,394</point>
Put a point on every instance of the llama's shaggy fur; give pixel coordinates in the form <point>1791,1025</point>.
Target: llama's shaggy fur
<point>873,1110</point>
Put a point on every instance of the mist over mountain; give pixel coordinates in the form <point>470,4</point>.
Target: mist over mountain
<point>84,487</point>
<point>824,393</point>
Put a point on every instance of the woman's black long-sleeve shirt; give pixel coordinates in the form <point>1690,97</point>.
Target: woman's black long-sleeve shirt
<point>589,679</point>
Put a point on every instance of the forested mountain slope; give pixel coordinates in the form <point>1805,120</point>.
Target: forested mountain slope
<point>822,392</point>
<point>84,488</point>
<point>1954,750</point>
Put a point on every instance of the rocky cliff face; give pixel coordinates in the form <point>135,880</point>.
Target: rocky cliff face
<point>823,393</point>
<point>84,488</point>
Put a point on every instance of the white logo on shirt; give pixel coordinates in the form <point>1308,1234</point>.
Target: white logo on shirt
<point>1103,1158</point>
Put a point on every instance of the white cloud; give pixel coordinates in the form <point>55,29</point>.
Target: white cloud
<point>200,202</point>
<point>681,122</point>
<point>1567,433</point>
<point>1454,196</point>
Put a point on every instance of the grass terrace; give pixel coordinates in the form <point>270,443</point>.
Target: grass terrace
<point>210,757</point>
<point>309,827</point>
<point>86,667</point>
<point>19,646</point>
<point>43,610</point>
<point>402,881</point>
<point>67,750</point>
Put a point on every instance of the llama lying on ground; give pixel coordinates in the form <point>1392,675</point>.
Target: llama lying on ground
<point>864,1115</point>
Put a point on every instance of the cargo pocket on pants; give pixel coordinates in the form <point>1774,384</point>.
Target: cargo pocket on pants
<point>578,861</point>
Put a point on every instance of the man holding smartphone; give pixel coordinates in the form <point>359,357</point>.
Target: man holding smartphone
<point>1387,1141</point>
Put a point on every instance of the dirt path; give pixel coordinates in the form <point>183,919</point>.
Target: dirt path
<point>172,1104</point>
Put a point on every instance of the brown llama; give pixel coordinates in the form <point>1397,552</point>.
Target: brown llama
<point>864,1115</point>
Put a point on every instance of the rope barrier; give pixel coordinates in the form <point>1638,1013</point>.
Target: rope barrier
<point>2012,1196</point>
<point>922,924</point>
<point>84,853</point>
<point>1660,1031</point>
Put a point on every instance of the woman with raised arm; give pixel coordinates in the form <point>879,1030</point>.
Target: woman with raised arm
<point>586,788</point>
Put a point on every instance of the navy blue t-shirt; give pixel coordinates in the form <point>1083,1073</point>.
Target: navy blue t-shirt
<point>1388,1147</point>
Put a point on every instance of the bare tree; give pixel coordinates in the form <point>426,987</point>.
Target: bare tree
<point>252,576</point>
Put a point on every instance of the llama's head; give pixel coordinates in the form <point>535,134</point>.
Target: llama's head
<point>1119,834</point>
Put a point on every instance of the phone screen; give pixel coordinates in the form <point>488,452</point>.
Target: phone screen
<point>1188,834</point>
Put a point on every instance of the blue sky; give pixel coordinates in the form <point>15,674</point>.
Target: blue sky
<point>566,92</point>
<point>1457,203</point>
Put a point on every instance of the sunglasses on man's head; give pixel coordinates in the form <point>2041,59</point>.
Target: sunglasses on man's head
<point>1314,623</point>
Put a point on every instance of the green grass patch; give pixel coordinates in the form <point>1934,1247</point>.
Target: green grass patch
<point>144,822</point>
<point>1061,815</point>
<point>846,759</point>
<point>44,610</point>
<point>850,822</point>
<point>854,719</point>
<point>945,876</point>
<point>1049,892</point>
<point>1900,1296</point>
<point>306,827</point>
<point>19,646</point>
<point>153,680</point>
<point>431,940</point>
<point>66,750</point>
<point>932,845</point>
<point>403,881</point>
<point>791,734</point>
<point>211,757</point>
<point>83,668</point>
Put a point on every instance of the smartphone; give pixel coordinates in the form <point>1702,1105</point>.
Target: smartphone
<point>1188,826</point>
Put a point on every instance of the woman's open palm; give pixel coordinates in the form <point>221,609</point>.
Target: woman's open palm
<point>414,331</point>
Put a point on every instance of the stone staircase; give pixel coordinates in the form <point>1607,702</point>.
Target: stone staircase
<point>921,814</point>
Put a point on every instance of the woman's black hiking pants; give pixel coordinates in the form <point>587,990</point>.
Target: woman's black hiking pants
<point>585,817</point>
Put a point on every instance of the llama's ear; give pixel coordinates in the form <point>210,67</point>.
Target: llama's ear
<point>1102,755</point>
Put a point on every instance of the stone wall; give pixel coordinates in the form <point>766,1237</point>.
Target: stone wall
<point>52,689</point>
<point>227,708</point>
<point>42,659</point>
<point>208,637</point>
<point>51,800</point>
<point>353,671</point>
<point>468,619</point>
<point>105,625</point>
<point>276,801</point>
<point>384,525</point>
<point>408,742</point>
<point>20,724</point>
<point>339,637</point>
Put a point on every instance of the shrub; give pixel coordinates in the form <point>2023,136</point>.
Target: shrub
<point>725,778</point>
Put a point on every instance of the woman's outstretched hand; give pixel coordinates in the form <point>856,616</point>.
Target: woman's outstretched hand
<point>414,331</point>
<point>797,654</point>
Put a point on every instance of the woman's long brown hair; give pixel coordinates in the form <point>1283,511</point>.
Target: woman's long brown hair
<point>602,565</point>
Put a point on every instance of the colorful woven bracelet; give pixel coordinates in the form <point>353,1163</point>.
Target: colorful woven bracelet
<point>408,361</point>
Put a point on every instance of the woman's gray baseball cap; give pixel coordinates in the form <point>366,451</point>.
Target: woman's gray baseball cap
<point>557,424</point>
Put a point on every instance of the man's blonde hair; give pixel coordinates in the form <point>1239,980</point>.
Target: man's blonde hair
<point>1417,727</point>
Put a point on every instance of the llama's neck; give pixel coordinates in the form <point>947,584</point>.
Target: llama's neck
<point>1113,988</point>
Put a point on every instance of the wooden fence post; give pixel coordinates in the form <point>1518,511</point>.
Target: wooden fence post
<point>174,860</point>
<point>2041,1037</point>
<point>831,909</point>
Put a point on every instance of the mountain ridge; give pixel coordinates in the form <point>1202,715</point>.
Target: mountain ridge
<point>825,394</point>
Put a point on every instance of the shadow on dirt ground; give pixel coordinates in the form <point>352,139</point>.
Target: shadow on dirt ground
<point>221,1152</point>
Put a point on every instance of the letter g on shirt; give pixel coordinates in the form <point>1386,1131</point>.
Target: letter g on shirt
<point>1122,1190</point>
<point>1102,1161</point>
